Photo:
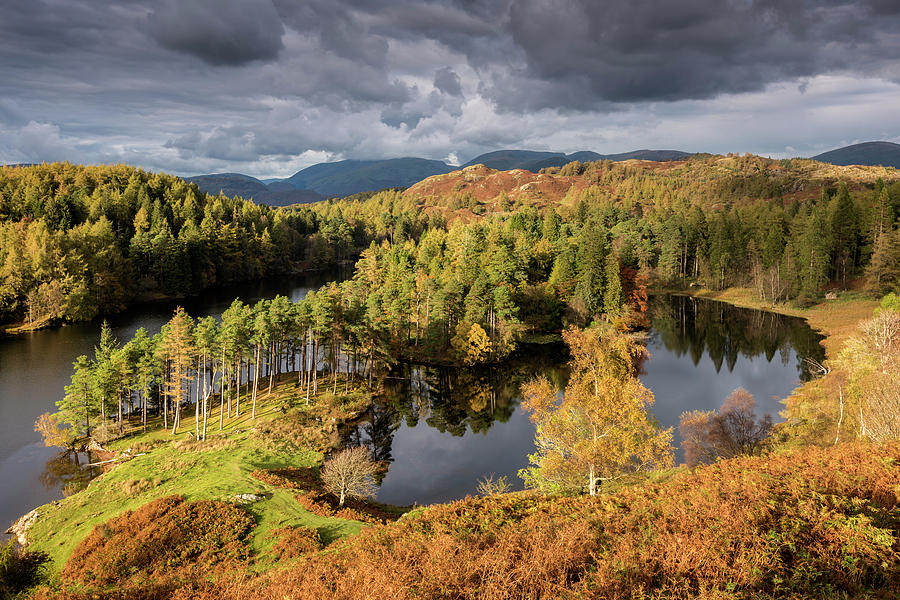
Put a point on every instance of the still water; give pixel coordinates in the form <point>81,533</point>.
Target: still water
<point>441,430</point>
<point>35,367</point>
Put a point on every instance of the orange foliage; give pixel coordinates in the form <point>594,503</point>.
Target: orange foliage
<point>811,523</point>
<point>295,541</point>
<point>167,540</point>
<point>297,478</point>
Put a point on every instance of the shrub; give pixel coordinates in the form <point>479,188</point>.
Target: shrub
<point>493,485</point>
<point>819,523</point>
<point>19,569</point>
<point>295,541</point>
<point>167,539</point>
<point>298,478</point>
<point>350,474</point>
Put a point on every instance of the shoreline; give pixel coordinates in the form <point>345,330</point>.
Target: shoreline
<point>156,298</point>
<point>807,408</point>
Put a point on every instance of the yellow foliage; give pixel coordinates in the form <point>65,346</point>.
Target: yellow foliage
<point>600,428</point>
<point>471,343</point>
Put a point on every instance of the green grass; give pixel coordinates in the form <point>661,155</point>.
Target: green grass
<point>216,470</point>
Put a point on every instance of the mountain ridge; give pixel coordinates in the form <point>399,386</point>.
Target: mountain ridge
<point>873,154</point>
<point>352,176</point>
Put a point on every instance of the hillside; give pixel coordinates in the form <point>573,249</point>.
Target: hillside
<point>250,188</point>
<point>505,160</point>
<point>347,177</point>
<point>706,181</point>
<point>819,523</point>
<point>886,154</point>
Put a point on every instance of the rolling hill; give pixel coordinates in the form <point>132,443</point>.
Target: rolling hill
<point>884,154</point>
<point>236,184</point>
<point>347,177</point>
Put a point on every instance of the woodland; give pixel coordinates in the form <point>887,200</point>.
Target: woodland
<point>456,272</point>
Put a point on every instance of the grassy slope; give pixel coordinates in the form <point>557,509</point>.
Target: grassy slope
<point>806,523</point>
<point>216,471</point>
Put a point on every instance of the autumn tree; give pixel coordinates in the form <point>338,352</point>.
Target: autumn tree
<point>471,343</point>
<point>732,431</point>
<point>177,346</point>
<point>54,432</point>
<point>600,428</point>
<point>350,474</point>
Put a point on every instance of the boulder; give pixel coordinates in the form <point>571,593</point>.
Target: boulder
<point>20,528</point>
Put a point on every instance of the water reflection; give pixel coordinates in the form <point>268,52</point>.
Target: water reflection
<point>440,430</point>
<point>35,367</point>
<point>699,327</point>
<point>69,471</point>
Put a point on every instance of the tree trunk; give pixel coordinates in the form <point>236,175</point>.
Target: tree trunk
<point>255,381</point>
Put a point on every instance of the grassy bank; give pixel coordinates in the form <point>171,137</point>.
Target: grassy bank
<point>807,523</point>
<point>287,433</point>
<point>811,411</point>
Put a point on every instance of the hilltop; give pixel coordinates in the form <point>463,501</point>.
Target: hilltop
<point>244,186</point>
<point>505,160</point>
<point>708,181</point>
<point>886,154</point>
<point>347,177</point>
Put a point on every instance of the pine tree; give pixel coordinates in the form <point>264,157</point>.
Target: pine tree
<point>612,295</point>
<point>177,346</point>
<point>78,405</point>
<point>591,254</point>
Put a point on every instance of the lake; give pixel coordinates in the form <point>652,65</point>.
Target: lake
<point>36,366</point>
<point>441,430</point>
<point>444,429</point>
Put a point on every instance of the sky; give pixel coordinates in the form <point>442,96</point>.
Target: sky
<point>267,87</point>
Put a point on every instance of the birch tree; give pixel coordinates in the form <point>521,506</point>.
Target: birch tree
<point>599,428</point>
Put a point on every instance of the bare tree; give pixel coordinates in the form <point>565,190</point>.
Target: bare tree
<point>871,361</point>
<point>492,485</point>
<point>350,472</point>
<point>730,432</point>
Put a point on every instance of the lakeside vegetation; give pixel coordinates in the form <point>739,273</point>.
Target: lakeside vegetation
<point>287,432</point>
<point>452,285</point>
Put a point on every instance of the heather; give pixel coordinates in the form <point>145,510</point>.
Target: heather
<point>815,523</point>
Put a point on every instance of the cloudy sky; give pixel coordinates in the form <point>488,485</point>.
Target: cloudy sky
<point>266,87</point>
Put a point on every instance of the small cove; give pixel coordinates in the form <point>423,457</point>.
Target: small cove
<point>444,429</point>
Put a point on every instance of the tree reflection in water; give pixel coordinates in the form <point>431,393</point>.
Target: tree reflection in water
<point>68,471</point>
<point>740,343</point>
<point>694,326</point>
<point>453,400</point>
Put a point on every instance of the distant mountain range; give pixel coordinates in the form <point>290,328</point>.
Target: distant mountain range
<point>235,184</point>
<point>874,154</point>
<point>346,177</point>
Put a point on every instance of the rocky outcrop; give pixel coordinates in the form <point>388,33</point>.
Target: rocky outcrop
<point>20,528</point>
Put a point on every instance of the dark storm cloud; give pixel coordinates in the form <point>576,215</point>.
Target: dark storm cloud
<point>191,84</point>
<point>220,32</point>
<point>633,51</point>
<point>447,81</point>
